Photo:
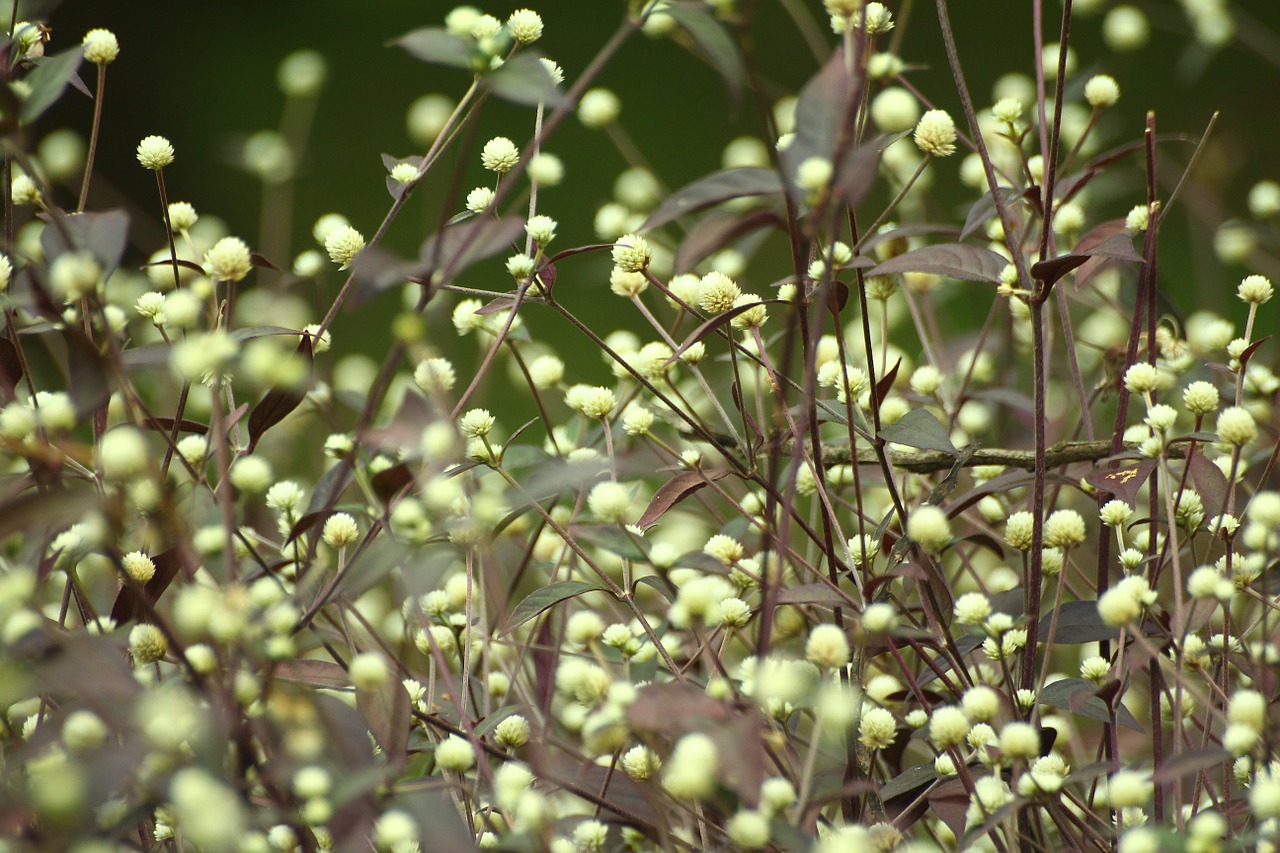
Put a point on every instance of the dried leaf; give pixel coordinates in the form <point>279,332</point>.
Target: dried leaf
<point>955,260</point>
<point>675,490</point>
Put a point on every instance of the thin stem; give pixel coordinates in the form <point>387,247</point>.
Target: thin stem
<point>93,136</point>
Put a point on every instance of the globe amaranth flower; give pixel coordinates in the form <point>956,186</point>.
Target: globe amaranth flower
<point>525,26</point>
<point>499,155</point>
<point>228,260</point>
<point>1102,91</point>
<point>935,134</point>
<point>343,244</point>
<point>155,152</point>
<point>632,253</point>
<point>1236,426</point>
<point>599,107</point>
<point>717,293</point>
<point>1255,289</point>
<point>100,46</point>
<point>340,530</point>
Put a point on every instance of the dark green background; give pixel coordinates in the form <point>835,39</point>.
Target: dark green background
<point>203,74</point>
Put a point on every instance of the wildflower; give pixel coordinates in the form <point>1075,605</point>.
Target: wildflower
<point>340,530</point>
<point>1236,426</point>
<point>935,134</point>
<point>929,527</point>
<point>1255,290</point>
<point>1102,91</point>
<point>455,754</point>
<point>343,244</point>
<point>877,729</point>
<point>827,647</point>
<point>228,260</point>
<point>948,726</point>
<point>525,26</point>
<point>155,152</point>
<point>499,155</point>
<point>598,107</point>
<point>100,46</point>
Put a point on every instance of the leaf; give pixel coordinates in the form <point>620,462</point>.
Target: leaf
<point>813,593</point>
<point>1116,247</point>
<point>955,260</point>
<point>615,540</point>
<point>885,384</point>
<point>168,564</point>
<point>1080,697</point>
<point>674,707</point>
<point>390,482</point>
<point>1187,763</point>
<point>1091,239</point>
<point>387,711</point>
<point>88,380</point>
<point>547,597</point>
<point>248,333</point>
<point>48,81</point>
<point>676,489</point>
<point>1123,483</point>
<point>1078,622</point>
<point>918,428</point>
<point>10,368</point>
<point>34,510</point>
<point>454,248</point>
<point>985,207</point>
<point>910,781</point>
<point>316,673</point>
<point>103,235</point>
<point>711,324</point>
<point>433,44</point>
<point>717,47</point>
<point>820,111</point>
<point>523,79</point>
<point>166,425</point>
<point>277,403</point>
<point>1211,484</point>
<point>712,189</point>
<point>332,484</point>
<point>716,231</point>
<point>964,645</point>
<point>658,582</point>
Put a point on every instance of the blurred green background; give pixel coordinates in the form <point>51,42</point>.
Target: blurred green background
<point>204,75</point>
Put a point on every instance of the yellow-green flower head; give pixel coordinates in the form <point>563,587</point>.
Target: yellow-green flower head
<point>147,644</point>
<point>499,155</point>
<point>599,107</point>
<point>632,253</point>
<point>936,134</point>
<point>228,260</point>
<point>100,46</point>
<point>301,74</point>
<point>340,530</point>
<point>343,244</point>
<point>182,216</point>
<point>717,293</point>
<point>525,26</point>
<point>155,152</point>
<point>1102,91</point>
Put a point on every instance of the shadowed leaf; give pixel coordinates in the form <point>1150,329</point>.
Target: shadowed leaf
<point>386,709</point>
<point>885,383</point>
<point>918,428</point>
<point>1080,697</point>
<point>1192,761</point>
<point>985,207</point>
<point>277,403</point>
<point>390,482</point>
<point>547,597</point>
<point>317,673</point>
<point>1078,622</point>
<point>615,540</point>
<point>103,235</point>
<point>1211,484</point>
<point>955,260</point>
<point>659,583</point>
<point>716,231</point>
<point>433,44</point>
<point>166,425</point>
<point>48,81</point>
<point>715,44</point>
<point>522,79</point>
<point>673,491</point>
<point>711,324</point>
<point>248,333</point>
<point>715,188</point>
<point>672,707</point>
<point>1124,483</point>
<point>813,593</point>
<point>127,607</point>
<point>33,511</point>
<point>456,247</point>
<point>89,382</point>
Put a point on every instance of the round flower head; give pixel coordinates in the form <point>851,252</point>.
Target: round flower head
<point>545,169</point>
<point>301,74</point>
<point>599,107</point>
<point>404,173</point>
<point>228,260</point>
<point>553,69</point>
<point>936,134</point>
<point>827,647</point>
<point>717,293</point>
<point>138,566</point>
<point>1236,426</point>
<point>369,670</point>
<point>632,253</point>
<point>476,423</point>
<point>155,152</point>
<point>1255,290</point>
<point>340,530</point>
<point>1101,91</point>
<point>499,155</point>
<point>1141,378</point>
<point>525,26</point>
<point>1007,110</point>
<point>100,46</point>
<point>1063,528</point>
<point>541,229</point>
<point>609,502</point>
<point>948,726</point>
<point>512,732</point>
<point>434,375</point>
<point>929,526</point>
<point>343,244</point>
<point>182,216</point>
<point>690,773</point>
<point>147,644</point>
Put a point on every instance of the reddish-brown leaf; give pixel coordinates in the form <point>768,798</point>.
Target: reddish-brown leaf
<point>277,403</point>
<point>676,489</point>
<point>1124,483</point>
<point>387,710</point>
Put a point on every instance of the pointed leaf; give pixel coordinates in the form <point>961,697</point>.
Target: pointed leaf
<point>33,511</point>
<point>277,403</point>
<point>316,673</point>
<point>166,425</point>
<point>1123,483</point>
<point>168,564</point>
<point>386,710</point>
<point>1090,240</point>
<point>248,333</point>
<point>955,260</point>
<point>918,428</point>
<point>433,44</point>
<point>1080,697</point>
<point>1211,484</point>
<point>1117,247</point>
<point>48,81</point>
<point>523,79</point>
<point>985,208</point>
<point>885,384</point>
<point>715,188</point>
<point>390,482</point>
<point>1078,622</point>
<point>814,593</point>
<point>456,247</point>
<point>676,489</point>
<point>547,597</point>
<point>615,540</point>
<point>103,235</point>
<point>659,583</point>
<point>716,45</point>
<point>89,381</point>
<point>716,231</point>
<point>710,325</point>
<point>910,781</point>
<point>820,111</point>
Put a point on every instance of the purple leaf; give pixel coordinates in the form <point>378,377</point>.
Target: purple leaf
<point>955,260</point>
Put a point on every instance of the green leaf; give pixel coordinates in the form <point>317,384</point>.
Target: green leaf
<point>954,260</point>
<point>547,597</point>
<point>716,45</point>
<point>248,333</point>
<point>1079,697</point>
<point>909,780</point>
<point>918,428</point>
<point>433,44</point>
<point>48,81</point>
<point>523,80</point>
<point>713,189</point>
